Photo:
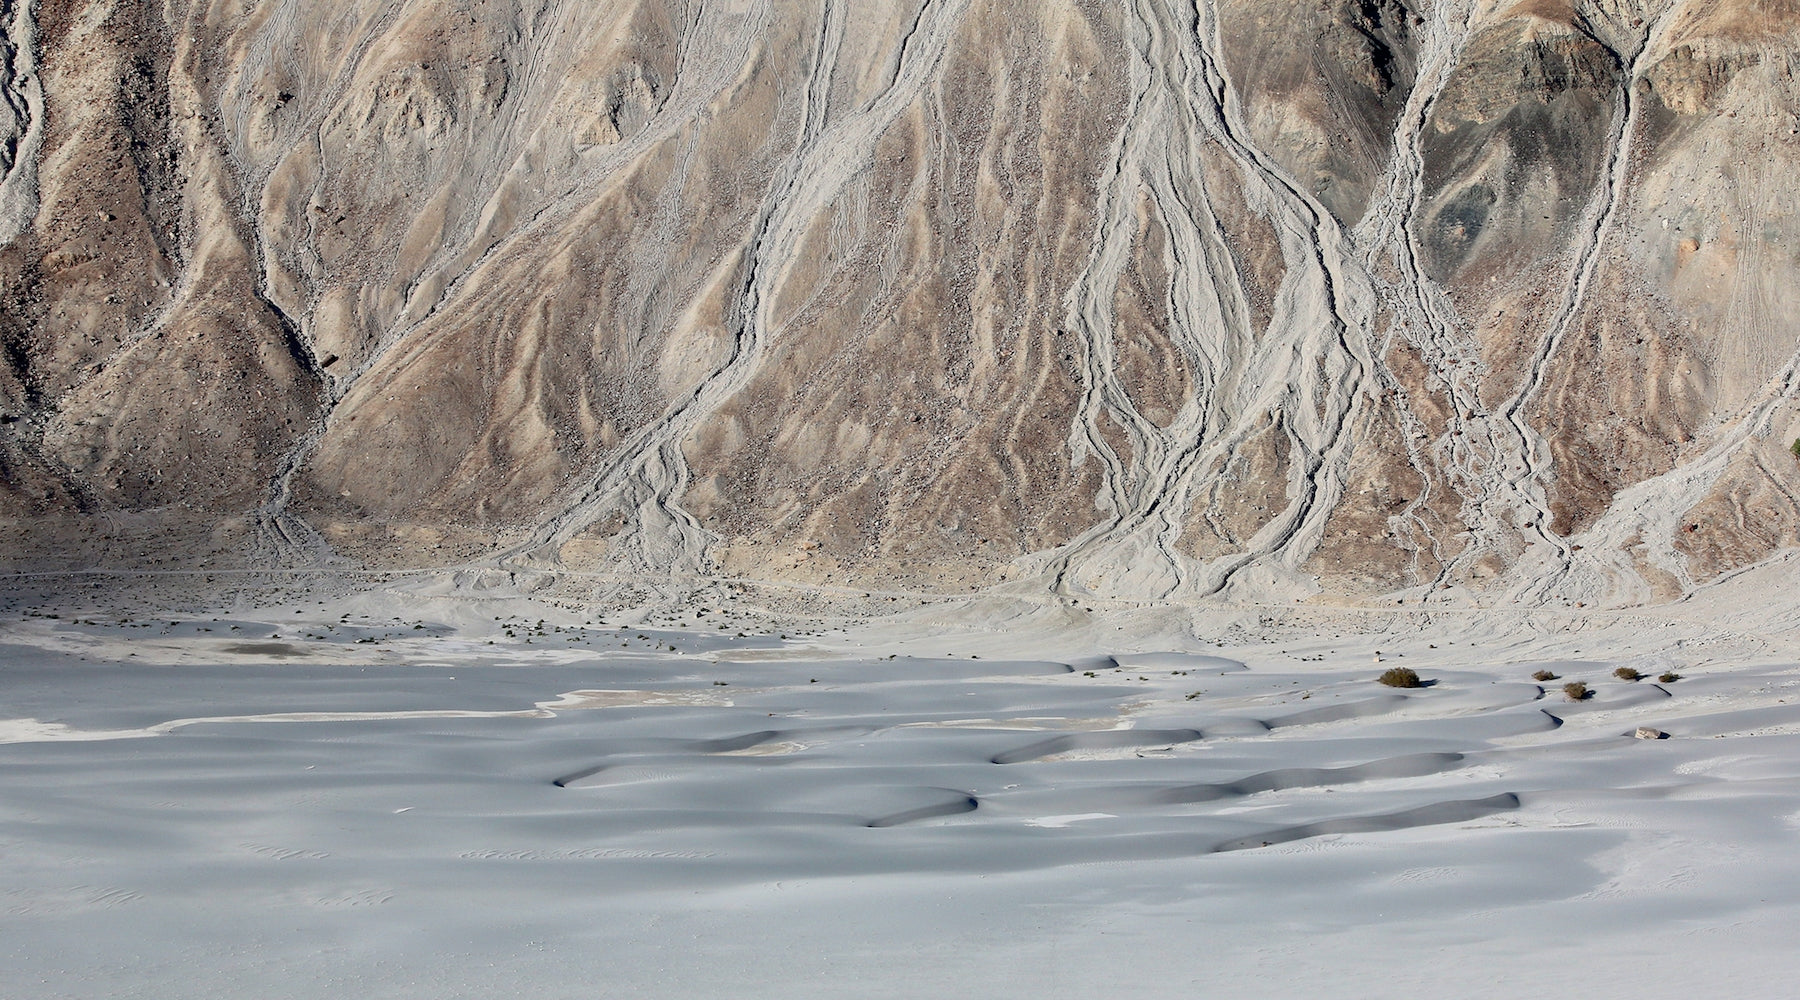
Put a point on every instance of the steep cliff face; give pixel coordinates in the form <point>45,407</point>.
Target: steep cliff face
<point>1146,299</point>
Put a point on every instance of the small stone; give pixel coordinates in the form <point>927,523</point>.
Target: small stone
<point>1649,733</point>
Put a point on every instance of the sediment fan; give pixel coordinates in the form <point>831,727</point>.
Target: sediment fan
<point>1140,300</point>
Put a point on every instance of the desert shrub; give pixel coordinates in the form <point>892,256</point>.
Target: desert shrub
<point>1543,675</point>
<point>1628,674</point>
<point>1795,448</point>
<point>1400,677</point>
<point>1670,677</point>
<point>1577,691</point>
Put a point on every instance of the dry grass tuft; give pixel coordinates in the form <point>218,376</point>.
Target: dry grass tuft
<point>1400,677</point>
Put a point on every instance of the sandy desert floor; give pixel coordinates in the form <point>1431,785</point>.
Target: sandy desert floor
<point>400,796</point>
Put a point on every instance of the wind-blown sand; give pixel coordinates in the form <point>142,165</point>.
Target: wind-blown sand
<point>1153,800</point>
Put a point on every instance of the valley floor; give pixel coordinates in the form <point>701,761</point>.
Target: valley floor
<point>392,796</point>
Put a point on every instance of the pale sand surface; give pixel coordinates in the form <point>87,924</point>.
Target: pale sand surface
<point>270,804</point>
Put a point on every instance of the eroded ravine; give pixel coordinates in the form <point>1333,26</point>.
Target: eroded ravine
<point>1303,376</point>
<point>21,117</point>
<point>1523,460</point>
<point>705,71</point>
<point>1388,245</point>
<point>647,475</point>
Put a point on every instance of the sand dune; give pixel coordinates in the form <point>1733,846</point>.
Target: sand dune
<point>671,821</point>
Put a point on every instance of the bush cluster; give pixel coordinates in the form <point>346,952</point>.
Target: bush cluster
<point>1401,677</point>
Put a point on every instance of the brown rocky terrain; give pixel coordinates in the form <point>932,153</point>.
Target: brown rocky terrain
<point>1253,298</point>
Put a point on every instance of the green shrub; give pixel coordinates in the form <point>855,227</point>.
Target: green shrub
<point>1577,691</point>
<point>1670,677</point>
<point>1628,674</point>
<point>1543,675</point>
<point>1400,677</point>
<point>1795,447</point>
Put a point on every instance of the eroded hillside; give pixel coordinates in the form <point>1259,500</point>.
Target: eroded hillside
<point>1141,298</point>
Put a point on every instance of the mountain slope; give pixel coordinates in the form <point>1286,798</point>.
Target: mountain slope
<point>1146,300</point>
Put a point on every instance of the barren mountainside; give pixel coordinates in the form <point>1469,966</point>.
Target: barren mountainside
<point>1130,298</point>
